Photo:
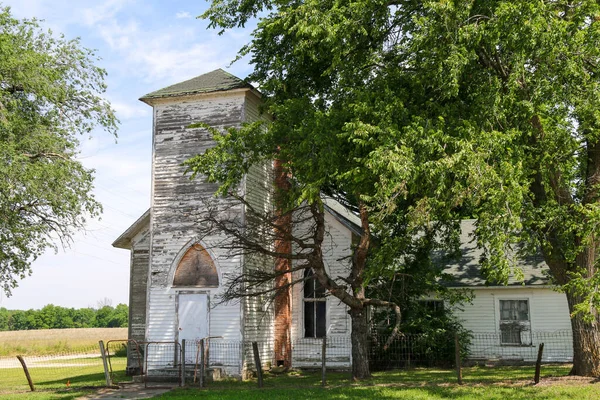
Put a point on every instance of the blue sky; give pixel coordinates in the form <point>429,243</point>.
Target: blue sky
<point>144,46</point>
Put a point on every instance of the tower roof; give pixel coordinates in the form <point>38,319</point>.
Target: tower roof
<point>214,81</point>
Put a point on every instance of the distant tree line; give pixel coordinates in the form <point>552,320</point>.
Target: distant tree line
<point>56,317</point>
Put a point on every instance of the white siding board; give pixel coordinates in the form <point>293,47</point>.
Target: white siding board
<point>258,191</point>
<point>549,317</point>
<point>307,352</point>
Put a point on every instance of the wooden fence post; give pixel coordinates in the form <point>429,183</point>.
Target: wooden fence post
<point>457,359</point>
<point>323,362</point>
<point>22,361</point>
<point>538,364</point>
<point>105,363</point>
<point>183,359</point>
<point>202,371</point>
<point>257,364</point>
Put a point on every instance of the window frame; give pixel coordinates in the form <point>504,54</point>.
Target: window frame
<point>314,300</point>
<point>525,335</point>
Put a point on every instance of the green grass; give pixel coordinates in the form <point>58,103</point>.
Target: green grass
<point>51,382</point>
<point>498,383</point>
<point>364,392</point>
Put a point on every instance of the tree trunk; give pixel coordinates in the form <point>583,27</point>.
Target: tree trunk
<point>586,334</point>
<point>360,344</point>
<point>586,343</point>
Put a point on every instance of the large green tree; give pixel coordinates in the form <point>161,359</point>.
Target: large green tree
<point>415,109</point>
<point>50,94</point>
<point>343,130</point>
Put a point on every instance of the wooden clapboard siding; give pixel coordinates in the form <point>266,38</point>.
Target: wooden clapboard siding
<point>336,248</point>
<point>258,192</point>
<point>548,312</point>
<point>138,284</point>
<point>548,309</point>
<point>177,206</point>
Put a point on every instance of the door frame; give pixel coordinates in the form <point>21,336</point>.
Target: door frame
<point>179,292</point>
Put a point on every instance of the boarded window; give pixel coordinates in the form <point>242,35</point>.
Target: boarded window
<point>197,269</point>
<point>315,318</point>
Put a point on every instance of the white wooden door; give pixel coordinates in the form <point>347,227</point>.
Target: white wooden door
<point>193,321</point>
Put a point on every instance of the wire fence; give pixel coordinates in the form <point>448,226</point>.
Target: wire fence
<point>212,358</point>
<point>493,347</point>
<point>78,368</point>
<point>220,357</point>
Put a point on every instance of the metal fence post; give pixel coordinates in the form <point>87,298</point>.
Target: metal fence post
<point>323,362</point>
<point>105,363</point>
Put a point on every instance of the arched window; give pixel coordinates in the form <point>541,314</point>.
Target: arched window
<point>315,306</point>
<point>196,268</point>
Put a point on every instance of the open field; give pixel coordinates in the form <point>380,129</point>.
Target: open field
<point>51,341</point>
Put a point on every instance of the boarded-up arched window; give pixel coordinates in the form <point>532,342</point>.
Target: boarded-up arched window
<point>196,268</point>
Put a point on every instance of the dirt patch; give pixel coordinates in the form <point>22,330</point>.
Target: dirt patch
<point>567,380</point>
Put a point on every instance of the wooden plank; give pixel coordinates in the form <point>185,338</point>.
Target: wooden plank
<point>105,363</point>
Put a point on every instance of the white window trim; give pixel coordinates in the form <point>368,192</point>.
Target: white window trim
<point>302,332</point>
<point>525,296</point>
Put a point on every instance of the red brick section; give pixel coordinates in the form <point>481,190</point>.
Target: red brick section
<point>283,303</point>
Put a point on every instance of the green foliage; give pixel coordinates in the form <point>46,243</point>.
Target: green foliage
<point>50,93</point>
<point>430,109</point>
<point>109,317</point>
<point>56,317</point>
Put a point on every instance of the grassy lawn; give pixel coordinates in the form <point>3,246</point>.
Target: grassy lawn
<point>51,381</point>
<point>499,383</point>
<point>383,392</point>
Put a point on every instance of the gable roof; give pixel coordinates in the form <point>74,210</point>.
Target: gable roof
<point>214,81</point>
<point>342,214</point>
<point>124,240</point>
<point>466,270</point>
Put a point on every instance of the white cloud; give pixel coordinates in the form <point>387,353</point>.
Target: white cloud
<point>103,11</point>
<point>165,56</point>
<point>127,110</point>
<point>183,15</point>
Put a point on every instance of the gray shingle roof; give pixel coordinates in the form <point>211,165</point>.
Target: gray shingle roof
<point>214,81</point>
<point>466,271</point>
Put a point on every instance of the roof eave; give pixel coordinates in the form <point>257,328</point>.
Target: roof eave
<point>124,240</point>
<point>152,100</point>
